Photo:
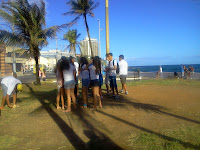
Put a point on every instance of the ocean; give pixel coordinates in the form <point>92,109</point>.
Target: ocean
<point>165,68</point>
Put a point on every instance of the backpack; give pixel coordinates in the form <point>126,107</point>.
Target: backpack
<point>117,70</point>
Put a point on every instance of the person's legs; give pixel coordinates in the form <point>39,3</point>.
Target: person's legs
<point>115,85</point>
<point>8,102</point>
<point>97,89</point>
<point>14,100</point>
<point>77,92</point>
<point>62,97</point>
<point>84,93</point>
<point>95,96</point>
<point>73,97</point>
<point>67,92</point>
<point>111,85</point>
<point>107,88</point>
<point>3,102</point>
<point>107,84</point>
<point>125,88</point>
<point>58,98</point>
<point>121,79</point>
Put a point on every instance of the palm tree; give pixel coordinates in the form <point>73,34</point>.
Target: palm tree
<point>81,8</point>
<point>28,23</point>
<point>71,36</point>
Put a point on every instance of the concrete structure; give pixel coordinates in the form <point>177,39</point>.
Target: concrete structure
<point>85,47</point>
<point>6,60</point>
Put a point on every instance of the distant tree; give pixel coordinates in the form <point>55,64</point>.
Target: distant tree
<point>28,23</point>
<point>71,36</point>
<point>81,8</point>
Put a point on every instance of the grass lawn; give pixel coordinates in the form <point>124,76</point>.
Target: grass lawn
<point>156,115</point>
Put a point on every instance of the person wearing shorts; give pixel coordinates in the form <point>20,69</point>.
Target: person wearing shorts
<point>69,75</point>
<point>95,69</point>
<point>123,71</point>
<point>10,86</point>
<point>84,72</point>
<point>60,85</point>
<point>112,75</point>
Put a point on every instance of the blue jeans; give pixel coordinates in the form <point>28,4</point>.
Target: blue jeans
<point>113,82</point>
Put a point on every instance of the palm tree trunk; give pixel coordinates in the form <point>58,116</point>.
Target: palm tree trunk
<point>88,34</point>
<point>74,49</point>
<point>37,71</point>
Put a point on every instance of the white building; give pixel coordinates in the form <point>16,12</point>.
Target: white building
<point>47,59</point>
<point>85,47</point>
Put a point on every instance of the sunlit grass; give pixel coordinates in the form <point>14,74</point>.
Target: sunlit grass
<point>148,141</point>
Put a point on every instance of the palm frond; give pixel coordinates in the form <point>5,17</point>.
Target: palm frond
<point>91,14</point>
<point>51,32</point>
<point>10,39</point>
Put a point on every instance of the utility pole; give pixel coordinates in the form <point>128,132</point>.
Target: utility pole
<point>99,38</point>
<point>107,28</point>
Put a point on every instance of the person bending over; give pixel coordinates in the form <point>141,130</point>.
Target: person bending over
<point>10,86</point>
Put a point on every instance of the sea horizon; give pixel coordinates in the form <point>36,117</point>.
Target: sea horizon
<point>165,68</point>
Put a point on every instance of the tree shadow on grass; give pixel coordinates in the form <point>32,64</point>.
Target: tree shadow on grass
<point>98,140</point>
<point>75,140</point>
<point>185,144</point>
<point>125,102</point>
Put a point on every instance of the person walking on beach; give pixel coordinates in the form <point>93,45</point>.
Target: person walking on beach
<point>95,69</point>
<point>112,75</point>
<point>60,85</point>
<point>159,72</point>
<point>123,72</point>
<point>10,86</point>
<point>69,75</point>
<point>84,72</point>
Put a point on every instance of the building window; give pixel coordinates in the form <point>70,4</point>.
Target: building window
<point>9,54</point>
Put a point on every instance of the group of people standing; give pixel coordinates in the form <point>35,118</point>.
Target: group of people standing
<point>186,71</point>
<point>67,72</point>
<point>112,69</point>
<point>90,71</point>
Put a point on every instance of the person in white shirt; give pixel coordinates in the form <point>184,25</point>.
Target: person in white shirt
<point>10,86</point>
<point>123,72</point>
<point>69,76</point>
<point>112,75</point>
<point>95,69</point>
<point>84,72</point>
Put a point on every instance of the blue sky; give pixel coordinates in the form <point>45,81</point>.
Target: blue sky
<point>146,32</point>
